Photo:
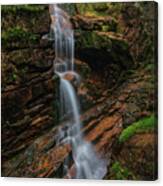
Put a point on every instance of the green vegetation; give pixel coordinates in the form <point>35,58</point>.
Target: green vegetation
<point>93,39</point>
<point>99,9</point>
<point>105,28</point>
<point>85,9</point>
<point>12,77</point>
<point>121,173</point>
<point>19,35</point>
<point>22,8</point>
<point>150,67</point>
<point>92,9</point>
<point>115,9</point>
<point>139,126</point>
<point>102,40</point>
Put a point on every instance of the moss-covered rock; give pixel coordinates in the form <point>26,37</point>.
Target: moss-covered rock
<point>105,52</point>
<point>94,23</point>
<point>21,66</point>
<point>139,155</point>
<point>28,87</point>
<point>119,172</point>
<point>27,17</point>
<point>92,40</point>
<point>23,25</point>
<point>14,9</point>
<point>142,125</point>
<point>108,41</point>
<point>92,9</point>
<point>18,38</point>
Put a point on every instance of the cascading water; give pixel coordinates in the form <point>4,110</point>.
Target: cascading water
<point>87,164</point>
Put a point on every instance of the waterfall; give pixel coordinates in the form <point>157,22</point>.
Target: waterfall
<point>87,164</point>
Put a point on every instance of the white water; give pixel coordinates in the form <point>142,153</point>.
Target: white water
<point>87,164</point>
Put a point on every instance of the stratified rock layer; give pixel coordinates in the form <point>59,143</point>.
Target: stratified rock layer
<point>29,91</point>
<point>117,88</point>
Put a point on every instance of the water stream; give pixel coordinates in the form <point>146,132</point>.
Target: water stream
<point>87,163</point>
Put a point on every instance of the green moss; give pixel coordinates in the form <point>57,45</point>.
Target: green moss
<point>17,35</point>
<point>93,39</point>
<point>105,28</point>
<point>22,8</point>
<point>121,173</point>
<point>92,9</point>
<point>12,77</point>
<point>23,73</point>
<point>150,67</point>
<point>84,8</point>
<point>115,9</point>
<point>100,7</point>
<point>145,124</point>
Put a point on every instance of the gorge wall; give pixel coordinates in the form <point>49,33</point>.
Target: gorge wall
<point>114,54</point>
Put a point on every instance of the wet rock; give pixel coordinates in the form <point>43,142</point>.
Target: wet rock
<point>28,86</point>
<point>94,23</point>
<point>139,29</point>
<point>100,49</point>
<point>29,18</point>
<point>111,100</point>
<point>21,66</point>
<point>102,124</point>
<point>22,26</point>
<point>92,8</point>
<point>139,155</point>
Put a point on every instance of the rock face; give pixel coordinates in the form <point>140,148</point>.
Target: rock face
<point>28,87</point>
<point>139,155</point>
<point>97,43</point>
<point>117,88</point>
<point>94,23</point>
<point>99,50</point>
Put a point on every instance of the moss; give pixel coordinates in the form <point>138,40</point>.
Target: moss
<point>12,77</point>
<point>84,8</point>
<point>119,42</point>
<point>150,67</point>
<point>115,48</point>
<point>121,173</point>
<point>101,40</point>
<point>105,28</point>
<point>22,8</point>
<point>92,9</point>
<point>31,21</point>
<point>101,6</point>
<point>92,39</point>
<point>23,73</point>
<point>17,35</point>
<point>142,125</point>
